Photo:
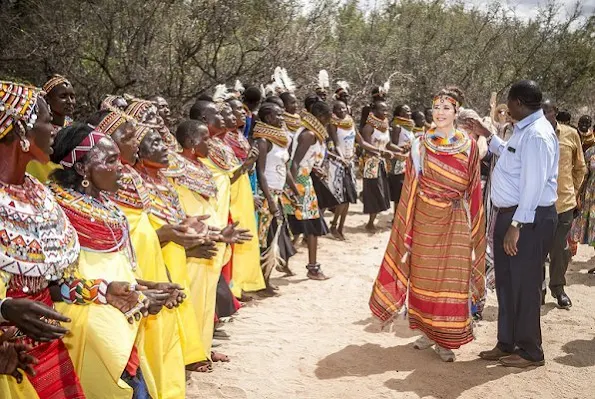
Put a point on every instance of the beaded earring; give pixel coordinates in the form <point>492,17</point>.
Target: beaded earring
<point>25,145</point>
<point>85,183</point>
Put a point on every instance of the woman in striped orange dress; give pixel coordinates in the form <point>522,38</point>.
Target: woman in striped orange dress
<point>436,253</point>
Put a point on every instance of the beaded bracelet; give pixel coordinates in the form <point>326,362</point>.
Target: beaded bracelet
<point>82,292</point>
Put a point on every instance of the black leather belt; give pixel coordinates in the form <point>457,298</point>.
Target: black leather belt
<point>507,210</point>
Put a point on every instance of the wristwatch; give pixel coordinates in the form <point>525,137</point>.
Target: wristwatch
<point>516,224</point>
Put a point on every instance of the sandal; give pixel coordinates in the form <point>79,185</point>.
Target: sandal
<point>220,357</point>
<point>315,272</point>
<point>201,367</point>
<point>591,271</point>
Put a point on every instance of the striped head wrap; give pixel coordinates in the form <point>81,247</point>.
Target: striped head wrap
<point>54,81</point>
<point>141,131</point>
<point>82,149</point>
<point>108,103</point>
<point>18,102</point>
<point>141,110</point>
<point>111,123</point>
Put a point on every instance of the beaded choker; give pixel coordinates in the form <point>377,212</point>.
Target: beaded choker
<point>376,123</point>
<point>238,143</point>
<point>164,201</point>
<point>221,154</point>
<point>194,176</point>
<point>292,121</point>
<point>101,226</point>
<point>312,123</point>
<point>404,122</point>
<point>345,123</point>
<point>36,238</point>
<point>133,193</point>
<point>457,143</point>
<point>274,134</point>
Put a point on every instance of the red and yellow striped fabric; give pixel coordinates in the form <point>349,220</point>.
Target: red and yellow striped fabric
<point>436,249</point>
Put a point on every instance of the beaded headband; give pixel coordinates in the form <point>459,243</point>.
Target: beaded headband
<point>108,103</point>
<point>111,123</point>
<point>140,110</point>
<point>141,132</point>
<point>55,81</point>
<point>18,102</point>
<point>82,149</point>
<point>443,97</point>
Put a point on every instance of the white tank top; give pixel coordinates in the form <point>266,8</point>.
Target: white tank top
<point>314,156</point>
<point>379,139</point>
<point>276,167</point>
<point>346,142</point>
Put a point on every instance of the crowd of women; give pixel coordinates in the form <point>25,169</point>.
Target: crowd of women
<point>126,240</point>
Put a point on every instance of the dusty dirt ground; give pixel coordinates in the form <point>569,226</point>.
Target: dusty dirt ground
<point>318,339</point>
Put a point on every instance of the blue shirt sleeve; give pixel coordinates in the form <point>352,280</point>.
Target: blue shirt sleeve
<point>535,164</point>
<point>496,145</point>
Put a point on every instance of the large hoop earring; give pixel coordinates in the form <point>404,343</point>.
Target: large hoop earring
<point>25,144</point>
<point>85,183</point>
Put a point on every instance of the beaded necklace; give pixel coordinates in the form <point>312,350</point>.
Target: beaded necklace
<point>345,123</point>
<point>275,135</point>
<point>164,201</point>
<point>133,193</point>
<point>292,121</point>
<point>377,123</point>
<point>404,122</point>
<point>194,176</point>
<point>221,154</point>
<point>457,143</point>
<point>36,238</point>
<point>236,140</point>
<point>101,226</point>
<point>312,123</point>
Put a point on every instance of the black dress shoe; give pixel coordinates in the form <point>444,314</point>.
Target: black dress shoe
<point>564,301</point>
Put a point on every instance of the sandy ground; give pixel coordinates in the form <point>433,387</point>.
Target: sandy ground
<point>318,340</point>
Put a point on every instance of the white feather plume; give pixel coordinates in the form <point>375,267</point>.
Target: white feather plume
<point>239,87</point>
<point>270,89</point>
<point>323,79</point>
<point>343,85</point>
<point>386,86</point>
<point>287,81</point>
<point>278,78</point>
<point>220,94</point>
<point>263,91</point>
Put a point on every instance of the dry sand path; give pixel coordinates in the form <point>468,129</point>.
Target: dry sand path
<point>318,340</point>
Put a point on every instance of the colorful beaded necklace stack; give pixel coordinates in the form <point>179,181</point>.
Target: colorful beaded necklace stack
<point>345,123</point>
<point>275,135</point>
<point>292,121</point>
<point>312,123</point>
<point>457,143</point>
<point>133,193</point>
<point>377,123</point>
<point>221,154</point>
<point>194,176</point>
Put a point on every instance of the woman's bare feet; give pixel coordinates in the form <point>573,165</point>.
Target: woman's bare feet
<point>219,357</point>
<point>200,367</point>
<point>315,272</point>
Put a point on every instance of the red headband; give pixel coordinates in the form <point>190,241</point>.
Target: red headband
<point>83,148</point>
<point>442,97</point>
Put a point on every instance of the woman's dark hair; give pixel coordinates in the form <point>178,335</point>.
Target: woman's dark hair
<point>398,110</point>
<point>267,109</point>
<point>275,100</point>
<point>310,100</point>
<point>67,140</point>
<point>252,95</point>
<point>96,117</point>
<point>564,116</point>
<point>285,96</point>
<point>320,108</point>
<point>454,92</point>
<point>186,129</point>
<point>204,97</point>
<point>527,92</point>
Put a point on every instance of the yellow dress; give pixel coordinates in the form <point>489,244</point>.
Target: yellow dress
<point>41,171</point>
<point>165,209</point>
<point>162,343</point>
<point>101,339</point>
<point>246,271</point>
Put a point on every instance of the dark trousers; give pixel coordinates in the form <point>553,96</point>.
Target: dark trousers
<point>559,253</point>
<point>518,282</point>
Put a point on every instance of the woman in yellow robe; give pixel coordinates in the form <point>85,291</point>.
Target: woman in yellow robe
<point>162,343</point>
<point>105,345</point>
<point>231,177</point>
<point>178,234</point>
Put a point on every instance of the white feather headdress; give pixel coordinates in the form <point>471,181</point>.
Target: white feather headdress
<point>221,93</point>
<point>323,79</point>
<point>287,81</point>
<point>263,91</point>
<point>239,87</point>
